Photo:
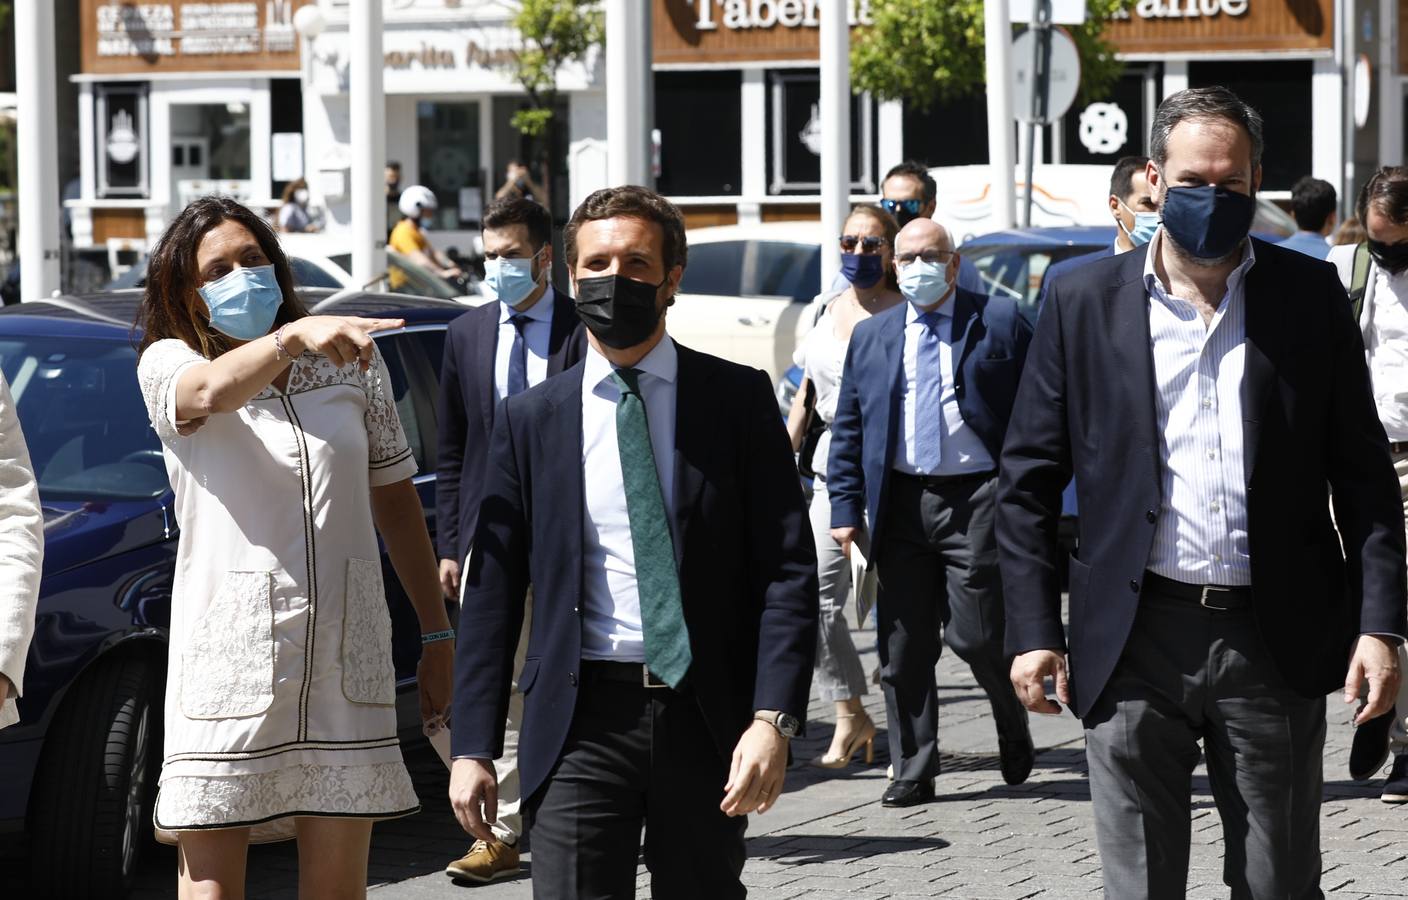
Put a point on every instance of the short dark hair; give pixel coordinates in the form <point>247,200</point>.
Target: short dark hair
<point>393,164</point>
<point>1122,178</point>
<point>917,170</point>
<point>631,202</point>
<point>518,211</point>
<point>1313,201</point>
<point>1386,191</point>
<point>1204,103</point>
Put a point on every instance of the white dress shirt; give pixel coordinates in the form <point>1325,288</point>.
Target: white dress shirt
<point>21,553</point>
<point>1386,344</point>
<point>961,451</point>
<point>537,337</point>
<point>1201,533</point>
<point>611,624</point>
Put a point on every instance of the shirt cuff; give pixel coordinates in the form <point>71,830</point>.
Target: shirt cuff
<point>1395,639</point>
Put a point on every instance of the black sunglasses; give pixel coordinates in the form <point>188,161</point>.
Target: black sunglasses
<point>893,207</point>
<point>867,244</point>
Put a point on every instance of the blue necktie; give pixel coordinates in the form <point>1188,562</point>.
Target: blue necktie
<point>928,395</point>
<point>518,357</point>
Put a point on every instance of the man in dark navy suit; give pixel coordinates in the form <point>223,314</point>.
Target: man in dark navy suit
<point>494,351</point>
<point>926,394</point>
<point>1134,214</point>
<point>650,496</point>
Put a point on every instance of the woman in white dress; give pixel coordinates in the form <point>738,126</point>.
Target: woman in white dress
<point>284,448</point>
<point>867,245</point>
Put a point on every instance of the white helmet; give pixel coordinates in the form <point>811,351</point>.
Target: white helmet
<point>415,198</point>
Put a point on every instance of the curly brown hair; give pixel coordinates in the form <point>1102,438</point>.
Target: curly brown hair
<point>631,202</point>
<point>171,306</point>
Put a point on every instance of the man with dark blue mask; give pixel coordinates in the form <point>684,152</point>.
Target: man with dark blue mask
<point>1203,391</point>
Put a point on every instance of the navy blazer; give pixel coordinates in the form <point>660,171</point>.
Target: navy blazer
<point>865,434</point>
<point>466,412</point>
<point>746,559</point>
<point>1057,269</point>
<point>1087,406</point>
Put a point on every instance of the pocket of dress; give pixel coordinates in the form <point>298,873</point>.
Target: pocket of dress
<point>368,674</point>
<point>227,668</point>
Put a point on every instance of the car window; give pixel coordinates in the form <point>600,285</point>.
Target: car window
<point>343,261</point>
<point>413,384</point>
<point>781,269</point>
<point>307,274</point>
<point>715,268</point>
<point>1016,271</point>
<point>83,418</point>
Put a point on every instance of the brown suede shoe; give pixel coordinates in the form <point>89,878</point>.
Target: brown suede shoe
<point>485,862</point>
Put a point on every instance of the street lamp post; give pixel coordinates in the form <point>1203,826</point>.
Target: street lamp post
<point>835,115</point>
<point>368,133</point>
<point>38,140</point>
<point>628,76</point>
<point>997,33</point>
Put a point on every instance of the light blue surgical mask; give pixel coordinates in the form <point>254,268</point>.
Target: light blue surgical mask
<point>244,303</point>
<point>1145,224</point>
<point>510,281</point>
<point>426,222</point>
<point>924,283</point>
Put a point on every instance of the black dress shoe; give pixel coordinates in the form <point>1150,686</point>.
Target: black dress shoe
<point>1017,758</point>
<point>1369,751</point>
<point>908,793</point>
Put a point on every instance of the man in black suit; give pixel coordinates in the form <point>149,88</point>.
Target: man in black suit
<point>1205,392</point>
<point>650,497</point>
<point>491,352</point>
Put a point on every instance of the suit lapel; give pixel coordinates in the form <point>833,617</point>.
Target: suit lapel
<point>965,314</point>
<point>1258,372</point>
<point>484,358</point>
<point>692,441</point>
<point>1127,305</point>
<point>564,318</point>
<point>560,444</point>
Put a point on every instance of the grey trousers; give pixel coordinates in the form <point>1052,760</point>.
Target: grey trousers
<point>1188,674</point>
<point>839,674</point>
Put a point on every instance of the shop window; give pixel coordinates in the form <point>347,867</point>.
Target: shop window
<point>691,104</point>
<point>1115,126</point>
<point>121,128</point>
<point>794,145</point>
<point>1280,91</point>
<point>954,133</point>
<point>211,140</point>
<point>447,142</point>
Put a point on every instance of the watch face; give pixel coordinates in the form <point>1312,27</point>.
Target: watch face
<point>788,724</point>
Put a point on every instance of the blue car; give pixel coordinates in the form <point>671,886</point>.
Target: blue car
<point>80,768</point>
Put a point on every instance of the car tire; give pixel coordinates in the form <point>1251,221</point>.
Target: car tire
<point>90,812</point>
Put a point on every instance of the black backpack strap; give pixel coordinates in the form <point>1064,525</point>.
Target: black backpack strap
<point>1359,279</point>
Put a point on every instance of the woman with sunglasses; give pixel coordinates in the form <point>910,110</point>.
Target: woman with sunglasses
<point>867,248</point>
<point>287,456</point>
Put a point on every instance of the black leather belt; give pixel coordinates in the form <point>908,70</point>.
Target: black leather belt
<point>1219,598</point>
<point>935,481</point>
<point>604,670</point>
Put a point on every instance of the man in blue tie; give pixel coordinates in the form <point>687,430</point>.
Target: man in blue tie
<point>926,395</point>
<point>650,496</point>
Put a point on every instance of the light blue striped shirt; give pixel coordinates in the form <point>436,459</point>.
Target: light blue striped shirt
<point>1201,533</point>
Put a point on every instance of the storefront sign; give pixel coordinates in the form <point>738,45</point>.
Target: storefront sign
<point>186,36</point>
<point>1213,27</point>
<point>713,31</point>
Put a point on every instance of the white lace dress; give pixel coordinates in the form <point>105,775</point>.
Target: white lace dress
<point>280,693</point>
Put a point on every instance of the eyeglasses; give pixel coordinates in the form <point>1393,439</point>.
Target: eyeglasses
<point>937,257</point>
<point>870,244</point>
<point>893,207</point>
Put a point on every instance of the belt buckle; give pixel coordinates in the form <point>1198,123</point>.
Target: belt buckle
<point>645,679</point>
<point>1210,589</point>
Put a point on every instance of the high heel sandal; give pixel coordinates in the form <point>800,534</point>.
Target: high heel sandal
<point>865,736</point>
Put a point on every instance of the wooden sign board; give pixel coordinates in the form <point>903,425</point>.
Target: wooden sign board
<point>121,37</point>
<point>742,31</point>
<point>1223,26</point>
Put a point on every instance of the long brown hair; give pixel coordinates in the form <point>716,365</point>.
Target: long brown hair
<point>171,308</point>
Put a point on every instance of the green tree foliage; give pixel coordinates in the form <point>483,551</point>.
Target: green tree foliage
<point>922,51</point>
<point>555,32</point>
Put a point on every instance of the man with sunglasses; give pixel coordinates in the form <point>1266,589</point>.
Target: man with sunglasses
<point>919,465</point>
<point>909,192</point>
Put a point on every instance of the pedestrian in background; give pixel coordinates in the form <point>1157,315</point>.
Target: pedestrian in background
<point>493,352</point>
<point>519,184</point>
<point>1313,203</point>
<point>649,497</point>
<point>293,214</point>
<point>284,450</point>
<point>21,555</point>
<point>1375,273</point>
<point>1203,391</point>
<point>909,192</point>
<point>867,254</point>
<point>418,206</point>
<point>926,394</point>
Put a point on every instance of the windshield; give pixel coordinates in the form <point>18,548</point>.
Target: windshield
<point>1017,270</point>
<point>418,279</point>
<point>83,418</point>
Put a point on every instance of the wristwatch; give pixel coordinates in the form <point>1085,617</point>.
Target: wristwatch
<point>786,724</point>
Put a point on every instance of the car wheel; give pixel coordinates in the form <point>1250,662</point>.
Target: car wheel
<point>90,811</point>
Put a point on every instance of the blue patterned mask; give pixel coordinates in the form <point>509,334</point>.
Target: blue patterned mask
<point>244,303</point>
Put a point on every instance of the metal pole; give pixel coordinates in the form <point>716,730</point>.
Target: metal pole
<point>834,112</point>
<point>1041,83</point>
<point>997,33</point>
<point>629,118</point>
<point>38,150</point>
<point>368,132</point>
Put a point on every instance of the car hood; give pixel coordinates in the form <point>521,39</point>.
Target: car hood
<point>80,532</point>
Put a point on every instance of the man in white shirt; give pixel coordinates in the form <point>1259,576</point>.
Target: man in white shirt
<point>21,555</point>
<point>1383,320</point>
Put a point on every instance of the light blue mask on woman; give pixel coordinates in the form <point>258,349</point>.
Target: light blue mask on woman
<point>510,281</point>
<point>244,303</point>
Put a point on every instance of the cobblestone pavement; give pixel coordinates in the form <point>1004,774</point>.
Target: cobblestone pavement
<point>830,838</point>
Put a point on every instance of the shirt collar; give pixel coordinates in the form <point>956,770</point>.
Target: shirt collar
<point>662,361</point>
<point>912,313</point>
<point>1153,285</point>
<point>540,311</point>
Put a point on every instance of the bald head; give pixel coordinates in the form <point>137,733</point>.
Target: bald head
<point>923,235</point>
<point>925,241</point>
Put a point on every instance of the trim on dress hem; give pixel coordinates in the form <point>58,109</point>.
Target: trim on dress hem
<point>379,816</point>
<point>290,747</point>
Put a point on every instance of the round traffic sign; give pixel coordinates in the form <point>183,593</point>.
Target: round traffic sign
<point>1064,69</point>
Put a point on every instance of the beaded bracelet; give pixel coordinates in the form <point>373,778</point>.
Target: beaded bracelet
<point>432,637</point>
<point>279,349</point>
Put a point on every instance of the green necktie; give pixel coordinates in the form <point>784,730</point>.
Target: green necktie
<point>661,610</point>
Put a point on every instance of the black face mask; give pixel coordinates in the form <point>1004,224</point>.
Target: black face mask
<point>621,312</point>
<point>1392,258</point>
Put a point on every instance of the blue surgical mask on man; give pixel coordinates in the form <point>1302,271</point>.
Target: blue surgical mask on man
<point>1145,224</point>
<point>244,303</point>
<point>510,281</point>
<point>924,283</point>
